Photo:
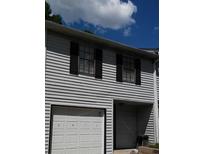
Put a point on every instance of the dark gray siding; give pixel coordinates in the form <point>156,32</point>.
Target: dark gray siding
<point>63,88</point>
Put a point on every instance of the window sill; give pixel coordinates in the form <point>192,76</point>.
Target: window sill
<point>87,74</point>
<point>128,82</point>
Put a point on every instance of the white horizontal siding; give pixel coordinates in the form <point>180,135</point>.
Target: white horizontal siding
<point>47,125</point>
<point>150,128</point>
<point>62,88</point>
<point>158,87</point>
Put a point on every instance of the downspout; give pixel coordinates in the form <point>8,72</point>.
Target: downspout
<point>155,106</point>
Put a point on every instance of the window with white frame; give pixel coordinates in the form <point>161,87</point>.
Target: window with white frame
<point>128,73</point>
<point>86,60</point>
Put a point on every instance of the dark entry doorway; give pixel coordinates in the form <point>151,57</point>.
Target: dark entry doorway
<point>130,121</point>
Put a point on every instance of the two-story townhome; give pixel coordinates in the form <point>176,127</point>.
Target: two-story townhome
<point>100,94</point>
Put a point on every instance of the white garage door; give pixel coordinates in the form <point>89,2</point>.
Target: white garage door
<point>77,131</point>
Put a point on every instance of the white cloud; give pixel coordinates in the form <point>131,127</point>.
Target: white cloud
<point>113,14</point>
<point>127,32</point>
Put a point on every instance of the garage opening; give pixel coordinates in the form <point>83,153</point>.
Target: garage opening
<point>130,121</point>
<point>77,130</point>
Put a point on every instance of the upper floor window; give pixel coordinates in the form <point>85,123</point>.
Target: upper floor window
<point>86,60</point>
<point>128,69</point>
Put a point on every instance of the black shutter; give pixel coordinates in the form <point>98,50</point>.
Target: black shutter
<point>74,51</point>
<point>98,63</point>
<point>138,71</point>
<point>119,67</point>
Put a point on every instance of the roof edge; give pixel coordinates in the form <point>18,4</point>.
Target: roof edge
<point>92,37</point>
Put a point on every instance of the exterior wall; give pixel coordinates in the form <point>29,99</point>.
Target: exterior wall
<point>158,105</point>
<point>150,128</point>
<point>63,88</point>
<point>155,105</point>
<point>158,88</point>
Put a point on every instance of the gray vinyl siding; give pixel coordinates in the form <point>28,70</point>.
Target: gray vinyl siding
<point>63,88</point>
<point>158,88</point>
<point>150,128</point>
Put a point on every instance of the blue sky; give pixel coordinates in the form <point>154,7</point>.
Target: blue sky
<point>132,22</point>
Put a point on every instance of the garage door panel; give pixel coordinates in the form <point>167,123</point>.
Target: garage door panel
<point>82,132</point>
<point>58,125</point>
<point>71,124</point>
<point>71,142</point>
<point>58,151</point>
<point>57,146</point>
<point>85,138</point>
<point>84,124</point>
<point>95,151</point>
<point>71,138</point>
<point>58,138</point>
<point>97,144</point>
<point>84,127</point>
<point>79,151</point>
<point>96,138</point>
<point>71,145</point>
<point>90,151</point>
<point>97,131</point>
<point>59,118</point>
<point>85,144</point>
<point>72,151</point>
<point>85,150</point>
<point>71,127</point>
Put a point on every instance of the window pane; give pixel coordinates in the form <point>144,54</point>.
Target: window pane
<point>91,67</point>
<point>81,54</point>
<point>87,55</point>
<point>132,76</point>
<point>86,64</point>
<point>81,47</point>
<point>91,54</point>
<point>81,65</point>
<point>128,69</point>
<point>124,74</point>
<point>86,49</point>
<point>128,76</point>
